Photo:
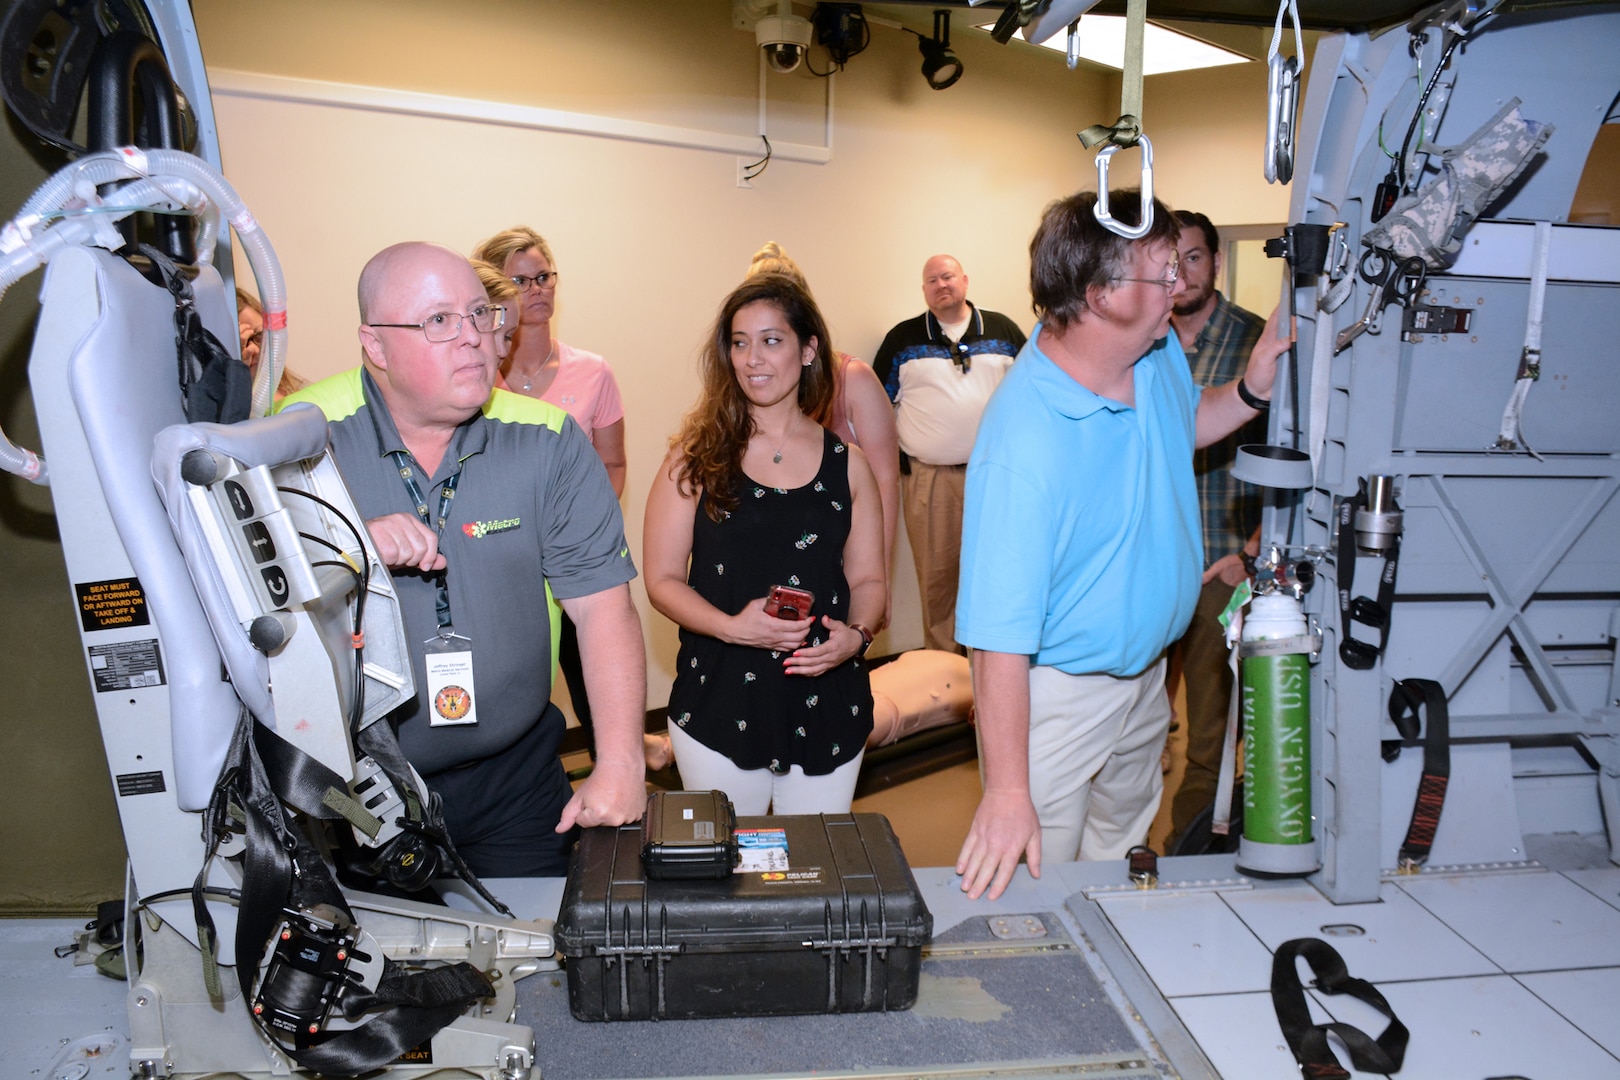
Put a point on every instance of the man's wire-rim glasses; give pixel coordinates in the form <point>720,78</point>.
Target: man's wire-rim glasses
<point>446,325</point>
<point>1172,274</point>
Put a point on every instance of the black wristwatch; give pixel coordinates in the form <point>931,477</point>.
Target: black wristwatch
<point>1248,398</point>
<point>866,639</point>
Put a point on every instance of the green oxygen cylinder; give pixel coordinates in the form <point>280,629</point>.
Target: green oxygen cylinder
<point>1276,686</point>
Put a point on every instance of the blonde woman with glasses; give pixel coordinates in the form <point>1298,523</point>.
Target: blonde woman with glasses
<point>579,382</point>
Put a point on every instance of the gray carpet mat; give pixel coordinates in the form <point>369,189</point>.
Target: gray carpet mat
<point>979,1000</point>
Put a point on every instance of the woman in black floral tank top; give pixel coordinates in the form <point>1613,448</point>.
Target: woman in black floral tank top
<point>754,493</point>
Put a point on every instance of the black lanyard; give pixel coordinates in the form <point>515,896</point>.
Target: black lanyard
<point>407,474</point>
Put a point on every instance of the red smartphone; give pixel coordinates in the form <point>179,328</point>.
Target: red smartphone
<point>784,602</point>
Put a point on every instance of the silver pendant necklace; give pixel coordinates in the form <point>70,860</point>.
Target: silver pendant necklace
<point>776,458</point>
<point>528,380</point>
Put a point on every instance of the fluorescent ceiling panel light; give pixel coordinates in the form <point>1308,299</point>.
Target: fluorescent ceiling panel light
<point>1102,41</point>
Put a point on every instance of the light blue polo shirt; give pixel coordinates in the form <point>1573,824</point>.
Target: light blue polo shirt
<point>1081,544</point>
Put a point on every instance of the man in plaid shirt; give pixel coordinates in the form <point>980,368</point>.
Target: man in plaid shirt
<point>1217,337</point>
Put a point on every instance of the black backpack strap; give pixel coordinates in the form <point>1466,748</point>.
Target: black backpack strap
<point>1362,655</point>
<point>1406,699</point>
<point>215,386</point>
<point>1308,1040</point>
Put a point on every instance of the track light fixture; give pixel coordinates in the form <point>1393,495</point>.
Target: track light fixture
<point>940,65</point>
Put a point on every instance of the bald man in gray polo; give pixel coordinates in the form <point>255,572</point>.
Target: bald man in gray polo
<point>477,499</point>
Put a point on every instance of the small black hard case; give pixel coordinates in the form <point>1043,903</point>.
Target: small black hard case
<point>689,835</point>
<point>840,930</point>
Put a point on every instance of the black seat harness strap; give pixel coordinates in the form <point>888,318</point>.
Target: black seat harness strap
<point>1309,1041</point>
<point>284,871</point>
<point>1406,699</point>
<point>1362,655</point>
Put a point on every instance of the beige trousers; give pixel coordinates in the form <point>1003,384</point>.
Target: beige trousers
<point>931,497</point>
<point>1094,744</point>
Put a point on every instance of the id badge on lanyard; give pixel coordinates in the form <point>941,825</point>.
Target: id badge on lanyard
<point>447,656</point>
<point>451,695</point>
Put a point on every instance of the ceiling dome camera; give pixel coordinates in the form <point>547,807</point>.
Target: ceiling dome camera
<point>783,56</point>
<point>785,38</point>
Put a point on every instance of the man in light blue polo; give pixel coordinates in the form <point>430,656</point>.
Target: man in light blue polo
<point>1081,544</point>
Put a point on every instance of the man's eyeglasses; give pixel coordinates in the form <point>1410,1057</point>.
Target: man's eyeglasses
<point>545,279</point>
<point>1172,274</point>
<point>446,325</point>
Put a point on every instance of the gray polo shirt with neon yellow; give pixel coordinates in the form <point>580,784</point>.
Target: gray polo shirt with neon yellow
<point>533,507</point>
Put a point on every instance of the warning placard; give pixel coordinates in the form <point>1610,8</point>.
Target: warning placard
<point>107,605</point>
<point>126,666</point>
<point>142,783</point>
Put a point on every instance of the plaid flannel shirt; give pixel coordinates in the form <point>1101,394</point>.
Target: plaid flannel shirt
<point>1230,508</point>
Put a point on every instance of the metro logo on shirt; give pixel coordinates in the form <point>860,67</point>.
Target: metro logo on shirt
<point>477,530</point>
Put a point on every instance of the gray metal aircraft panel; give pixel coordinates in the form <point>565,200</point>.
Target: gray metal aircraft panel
<point>1524,922</point>
<point>1392,939</point>
<point>1239,1034</point>
<point>1190,944</point>
<point>1484,1027</point>
<point>1588,999</point>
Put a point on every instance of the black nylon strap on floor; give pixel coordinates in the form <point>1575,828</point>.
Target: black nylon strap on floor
<point>1406,699</point>
<point>1362,655</point>
<point>1308,1040</point>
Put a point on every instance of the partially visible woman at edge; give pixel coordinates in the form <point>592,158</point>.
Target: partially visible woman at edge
<point>250,326</point>
<point>862,415</point>
<point>503,293</point>
<point>755,492</point>
<point>581,383</point>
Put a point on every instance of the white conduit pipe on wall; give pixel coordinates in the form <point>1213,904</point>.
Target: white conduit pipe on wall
<point>253,86</point>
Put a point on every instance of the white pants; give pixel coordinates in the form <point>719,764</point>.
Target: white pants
<point>1094,746</point>
<point>752,791</point>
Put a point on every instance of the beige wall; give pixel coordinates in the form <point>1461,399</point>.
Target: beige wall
<point>649,238</point>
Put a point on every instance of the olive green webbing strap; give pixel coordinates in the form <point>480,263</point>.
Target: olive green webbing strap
<point>1128,128</point>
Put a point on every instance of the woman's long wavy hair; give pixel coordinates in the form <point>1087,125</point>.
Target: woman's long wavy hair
<point>714,435</point>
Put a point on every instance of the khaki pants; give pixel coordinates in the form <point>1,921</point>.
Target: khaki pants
<point>1205,670</point>
<point>1094,744</point>
<point>931,497</point>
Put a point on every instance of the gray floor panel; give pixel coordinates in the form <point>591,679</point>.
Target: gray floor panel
<point>1588,999</point>
<point>1481,1027</point>
<point>1239,1034</point>
<point>1190,943</point>
<point>57,1016</point>
<point>1524,921</point>
<point>1395,938</point>
<point>971,1008</point>
<point>1602,883</point>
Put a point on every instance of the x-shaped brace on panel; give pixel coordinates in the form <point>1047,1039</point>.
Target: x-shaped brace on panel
<point>1507,614</point>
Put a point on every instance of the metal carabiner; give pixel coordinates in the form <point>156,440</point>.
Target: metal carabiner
<point>1282,99</point>
<point>1104,218</point>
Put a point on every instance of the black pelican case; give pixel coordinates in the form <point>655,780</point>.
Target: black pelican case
<point>689,834</point>
<point>840,929</point>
